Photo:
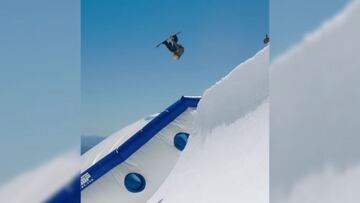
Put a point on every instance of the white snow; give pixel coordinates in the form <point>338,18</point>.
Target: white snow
<point>227,159</point>
<point>229,164</point>
<point>38,184</point>
<point>314,107</point>
<point>327,186</point>
<point>238,93</point>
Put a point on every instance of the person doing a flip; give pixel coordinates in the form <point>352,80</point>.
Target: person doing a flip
<point>173,46</point>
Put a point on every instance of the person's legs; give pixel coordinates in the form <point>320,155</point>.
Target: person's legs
<point>170,46</point>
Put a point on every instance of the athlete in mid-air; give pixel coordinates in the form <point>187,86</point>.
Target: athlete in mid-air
<point>266,39</point>
<point>174,47</point>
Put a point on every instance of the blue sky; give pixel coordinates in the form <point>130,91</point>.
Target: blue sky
<point>39,82</point>
<point>124,77</point>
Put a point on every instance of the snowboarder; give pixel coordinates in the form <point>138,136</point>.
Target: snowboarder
<point>267,39</point>
<point>172,44</point>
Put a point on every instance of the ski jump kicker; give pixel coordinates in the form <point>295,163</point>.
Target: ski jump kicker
<point>134,164</point>
<point>131,164</point>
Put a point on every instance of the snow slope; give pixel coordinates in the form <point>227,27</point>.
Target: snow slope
<point>227,160</point>
<point>49,178</point>
<point>327,186</point>
<point>238,93</point>
<point>314,107</point>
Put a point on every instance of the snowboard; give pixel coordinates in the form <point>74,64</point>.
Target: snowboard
<point>167,39</point>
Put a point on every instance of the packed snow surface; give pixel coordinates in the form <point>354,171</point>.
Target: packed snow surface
<point>227,159</point>
<point>238,93</point>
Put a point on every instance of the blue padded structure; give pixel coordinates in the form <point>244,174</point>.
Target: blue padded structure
<point>135,142</point>
<point>71,193</point>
